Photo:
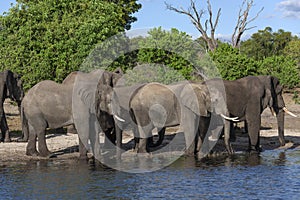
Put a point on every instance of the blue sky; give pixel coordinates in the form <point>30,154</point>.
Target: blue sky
<point>278,14</point>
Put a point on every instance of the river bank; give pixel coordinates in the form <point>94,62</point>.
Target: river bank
<point>65,145</point>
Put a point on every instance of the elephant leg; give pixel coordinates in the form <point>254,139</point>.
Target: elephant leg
<point>253,132</point>
<point>280,123</point>
<point>161,135</point>
<point>31,145</point>
<point>118,134</point>
<point>227,135</point>
<point>190,124</point>
<point>143,148</point>
<point>144,133</point>
<point>110,138</point>
<point>4,129</point>
<point>202,131</point>
<point>136,144</point>
<point>82,150</point>
<point>40,131</point>
<point>232,132</point>
<point>42,145</point>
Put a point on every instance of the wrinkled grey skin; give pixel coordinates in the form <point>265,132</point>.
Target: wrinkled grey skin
<point>51,105</point>
<point>246,98</point>
<point>10,87</point>
<point>157,106</point>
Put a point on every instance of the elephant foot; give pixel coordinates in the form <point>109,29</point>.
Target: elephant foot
<point>254,150</point>
<point>47,154</point>
<point>33,153</point>
<point>83,157</point>
<point>7,140</point>
<point>282,143</point>
<point>142,150</point>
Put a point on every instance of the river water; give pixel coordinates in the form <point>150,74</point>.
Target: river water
<point>273,174</point>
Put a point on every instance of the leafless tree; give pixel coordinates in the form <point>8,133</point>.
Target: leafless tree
<point>196,17</point>
<point>243,22</point>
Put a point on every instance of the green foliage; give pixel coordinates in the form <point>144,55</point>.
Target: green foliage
<point>292,50</point>
<point>172,48</point>
<point>47,39</point>
<point>147,73</point>
<point>266,43</point>
<point>231,64</point>
<point>283,68</point>
<point>296,97</point>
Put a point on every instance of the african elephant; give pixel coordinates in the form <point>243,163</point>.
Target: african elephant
<point>278,106</point>
<point>10,87</point>
<point>112,110</point>
<point>246,99</point>
<point>52,105</point>
<point>70,79</point>
<point>156,105</point>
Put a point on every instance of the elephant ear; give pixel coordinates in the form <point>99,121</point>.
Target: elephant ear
<point>267,100</point>
<point>194,98</point>
<point>103,98</point>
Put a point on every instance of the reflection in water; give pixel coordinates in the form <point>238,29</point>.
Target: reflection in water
<point>271,174</point>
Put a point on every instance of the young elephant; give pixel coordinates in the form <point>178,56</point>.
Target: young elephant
<point>157,106</point>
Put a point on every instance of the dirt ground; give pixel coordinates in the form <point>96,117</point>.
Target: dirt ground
<point>65,145</point>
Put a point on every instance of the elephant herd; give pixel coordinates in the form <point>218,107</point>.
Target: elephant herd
<point>101,101</point>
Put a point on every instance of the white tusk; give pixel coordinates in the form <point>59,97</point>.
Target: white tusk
<point>289,112</point>
<point>272,111</point>
<point>235,119</point>
<point>119,118</point>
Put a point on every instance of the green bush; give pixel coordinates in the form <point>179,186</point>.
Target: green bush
<point>284,68</point>
<point>147,73</point>
<point>231,64</point>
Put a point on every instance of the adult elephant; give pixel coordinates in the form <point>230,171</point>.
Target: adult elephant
<point>156,105</point>
<point>10,87</point>
<point>112,110</point>
<point>52,105</point>
<point>278,105</point>
<point>246,99</point>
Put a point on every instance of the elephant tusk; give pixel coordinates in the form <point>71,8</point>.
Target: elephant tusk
<point>289,112</point>
<point>235,119</point>
<point>119,118</point>
<point>273,111</point>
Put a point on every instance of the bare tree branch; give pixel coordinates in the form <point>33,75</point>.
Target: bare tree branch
<point>196,17</point>
<point>243,22</point>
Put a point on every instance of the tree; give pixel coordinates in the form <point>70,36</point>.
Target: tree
<point>292,49</point>
<point>196,17</point>
<point>47,39</point>
<point>210,24</point>
<point>266,43</point>
<point>232,64</point>
<point>243,22</point>
<point>172,48</point>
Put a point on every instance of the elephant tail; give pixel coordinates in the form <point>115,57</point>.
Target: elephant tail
<point>25,127</point>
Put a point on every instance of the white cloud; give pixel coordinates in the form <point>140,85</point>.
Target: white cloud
<point>290,8</point>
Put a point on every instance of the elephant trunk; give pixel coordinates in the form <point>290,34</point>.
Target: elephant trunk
<point>280,122</point>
